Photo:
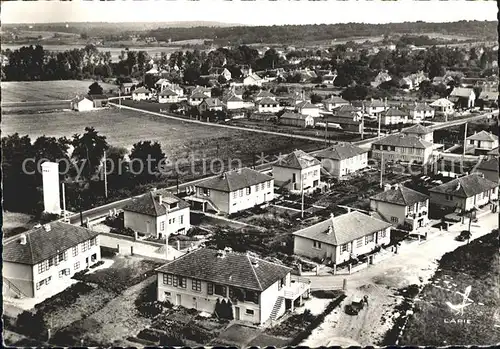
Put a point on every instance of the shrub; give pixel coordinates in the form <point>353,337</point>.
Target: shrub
<point>64,298</point>
<point>326,294</point>
<point>195,333</point>
<point>31,325</point>
<point>149,335</point>
<point>96,264</point>
<point>79,274</point>
<point>72,334</point>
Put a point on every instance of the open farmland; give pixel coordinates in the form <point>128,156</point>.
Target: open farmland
<point>178,138</point>
<point>32,91</point>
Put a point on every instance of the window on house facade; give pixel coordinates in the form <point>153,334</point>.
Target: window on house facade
<point>74,251</point>
<point>167,294</point>
<point>269,184</point>
<point>316,244</point>
<point>359,242</point>
<point>368,239</point>
<point>76,266</point>
<point>256,187</point>
<point>196,285</point>
<point>220,290</point>
<point>262,186</point>
<point>382,234</point>
<point>63,272</point>
<point>241,192</point>
<point>182,282</point>
<point>173,220</point>
<point>210,288</point>
<point>449,197</point>
<point>175,281</point>
<point>51,262</point>
<point>343,248</point>
<point>43,266</point>
<point>206,191</point>
<point>167,279</point>
<point>93,242</point>
<point>235,195</point>
<point>249,190</point>
<point>249,311</point>
<point>181,218</point>
<point>394,219</point>
<point>162,225</point>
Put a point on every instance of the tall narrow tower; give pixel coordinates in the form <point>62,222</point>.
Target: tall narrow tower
<point>50,177</point>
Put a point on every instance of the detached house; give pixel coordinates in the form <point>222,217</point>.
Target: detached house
<point>217,72</point>
<point>167,96</point>
<point>81,103</point>
<point>235,102</point>
<point>126,87</point>
<point>382,77</point>
<point>463,97</point>
<point>256,290</point>
<point>419,111</point>
<point>400,205</point>
<point>298,171</point>
<point>41,260</point>
<point>252,79</point>
<point>398,147</point>
<point>341,238</point>
<point>483,141</point>
<point>162,84</point>
<point>263,94</point>
<point>268,105</point>
<point>374,107</point>
<point>196,98</point>
<point>419,131</point>
<point>393,116</point>
<point>443,106</point>
<point>158,215</point>
<point>342,159</point>
<point>307,108</point>
<point>296,119</point>
<point>465,192</point>
<point>210,104</point>
<point>141,94</point>
<point>334,102</point>
<point>234,191</point>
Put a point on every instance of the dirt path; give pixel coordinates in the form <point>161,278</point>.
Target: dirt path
<point>414,265</point>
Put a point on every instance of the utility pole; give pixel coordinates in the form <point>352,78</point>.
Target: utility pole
<point>379,121</point>
<point>381,169</point>
<point>120,97</point>
<point>326,132</point>
<point>465,139</point>
<point>105,177</point>
<point>302,204</point>
<point>64,202</point>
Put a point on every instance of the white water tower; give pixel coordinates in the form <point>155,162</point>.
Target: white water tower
<point>50,177</point>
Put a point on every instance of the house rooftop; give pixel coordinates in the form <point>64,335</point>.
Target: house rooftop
<point>306,105</point>
<point>227,268</point>
<point>466,186</point>
<point>167,92</point>
<point>141,90</point>
<point>407,141</point>
<point>442,102</point>
<point>298,159</point>
<point>394,112</point>
<point>295,116</point>
<point>42,244</point>
<point>341,151</point>
<point>264,93</point>
<point>483,136</point>
<point>267,100</point>
<point>149,204</point>
<point>400,195</point>
<point>98,97</point>
<point>342,229</point>
<point>198,94</point>
<point>489,165</point>
<point>335,99</point>
<point>234,180</point>
<point>213,102</point>
<point>417,129</point>
<point>461,92</point>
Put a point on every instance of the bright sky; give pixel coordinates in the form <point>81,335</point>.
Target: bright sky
<point>258,12</point>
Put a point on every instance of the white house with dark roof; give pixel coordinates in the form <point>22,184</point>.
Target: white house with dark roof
<point>158,215</point>
<point>334,102</point>
<point>307,108</point>
<point>263,94</point>
<point>443,106</point>
<point>465,192</point>
<point>374,107</point>
<point>420,131</point>
<point>234,191</point>
<point>483,141</point>
<point>394,116</point>
<point>256,290</point>
<point>81,103</point>
<point>401,205</point>
<point>210,104</point>
<point>399,147</point>
<point>417,112</point>
<point>40,261</point>
<point>167,96</point>
<point>252,79</point>
<point>196,98</point>
<point>463,97</point>
<point>298,171</point>
<point>341,238</point>
<point>141,94</point>
<point>296,119</point>
<point>342,159</point>
<point>235,102</point>
<point>162,84</point>
<point>268,105</point>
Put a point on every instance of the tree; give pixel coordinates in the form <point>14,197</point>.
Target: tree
<point>88,151</point>
<point>355,93</point>
<point>191,75</point>
<point>95,89</point>
<point>315,98</point>
<point>145,158</point>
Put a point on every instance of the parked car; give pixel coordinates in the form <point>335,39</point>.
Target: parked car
<point>355,307</point>
<point>464,235</point>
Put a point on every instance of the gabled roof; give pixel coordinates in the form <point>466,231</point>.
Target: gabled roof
<point>306,105</point>
<point>335,100</point>
<point>167,92</point>
<point>198,94</point>
<point>213,102</point>
<point>267,100</point>
<point>295,116</point>
<point>149,204</point>
<point>417,129</point>
<point>235,180</point>
<point>162,81</point>
<point>376,103</point>
<point>254,77</point>
<point>41,244</point>
<point>344,228</point>
<point>341,151</point>
<point>263,94</point>
<point>98,97</point>
<point>78,99</point>
<point>400,140</point>
<point>394,112</point>
<point>483,136</point>
<point>401,195</point>
<point>466,186</point>
<point>442,102</point>
<point>488,95</point>
<point>233,269</point>
<point>298,159</point>
<point>141,90</point>
<point>419,107</point>
<point>234,98</point>
<point>346,109</point>
<point>461,92</point>
<point>489,165</point>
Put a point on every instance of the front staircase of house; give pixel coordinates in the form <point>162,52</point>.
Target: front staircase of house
<point>276,308</point>
<point>13,288</point>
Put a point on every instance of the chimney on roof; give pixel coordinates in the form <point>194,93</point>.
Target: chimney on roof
<point>221,254</point>
<point>387,187</point>
<point>255,264</point>
<point>160,199</point>
<point>458,186</point>
<point>46,227</point>
<point>22,239</point>
<point>153,189</point>
<point>223,175</point>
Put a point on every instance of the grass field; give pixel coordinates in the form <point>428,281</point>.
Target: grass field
<point>179,139</point>
<point>30,91</point>
<point>476,265</point>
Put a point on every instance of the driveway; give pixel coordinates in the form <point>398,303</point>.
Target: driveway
<point>415,264</point>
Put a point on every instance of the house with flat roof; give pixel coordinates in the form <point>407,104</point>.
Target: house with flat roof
<point>40,261</point>
<point>341,238</point>
<point>157,215</point>
<point>233,191</point>
<point>256,290</point>
<point>343,159</point>
<point>465,193</point>
<point>298,171</point>
<point>399,147</point>
<point>400,205</point>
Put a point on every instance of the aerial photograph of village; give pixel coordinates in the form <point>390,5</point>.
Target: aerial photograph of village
<point>250,174</point>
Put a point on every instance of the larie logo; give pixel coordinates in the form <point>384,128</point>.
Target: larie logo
<point>466,301</point>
